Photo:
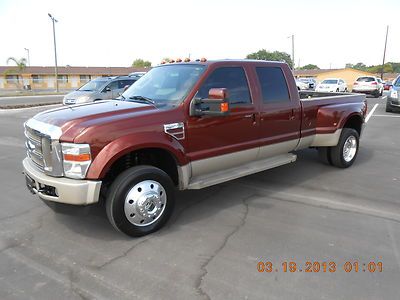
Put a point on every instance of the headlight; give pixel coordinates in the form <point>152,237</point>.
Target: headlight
<point>76,159</point>
<point>82,99</point>
<point>394,94</point>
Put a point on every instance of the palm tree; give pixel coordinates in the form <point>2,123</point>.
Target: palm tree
<point>21,65</point>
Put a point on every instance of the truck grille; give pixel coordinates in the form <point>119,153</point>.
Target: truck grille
<point>34,146</point>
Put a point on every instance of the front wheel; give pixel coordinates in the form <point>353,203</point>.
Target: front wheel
<point>345,152</point>
<point>140,200</point>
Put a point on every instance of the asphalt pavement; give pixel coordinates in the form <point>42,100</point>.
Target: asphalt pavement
<point>303,212</point>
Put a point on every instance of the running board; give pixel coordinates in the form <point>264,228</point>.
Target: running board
<point>203,181</point>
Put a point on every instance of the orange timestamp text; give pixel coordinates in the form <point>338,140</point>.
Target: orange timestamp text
<point>320,267</point>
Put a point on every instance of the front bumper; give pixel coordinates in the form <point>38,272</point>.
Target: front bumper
<point>393,103</point>
<point>63,190</point>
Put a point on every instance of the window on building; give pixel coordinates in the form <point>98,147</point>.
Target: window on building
<point>62,78</point>
<point>84,78</point>
<point>37,78</point>
<point>273,84</point>
<point>232,78</point>
<point>12,78</point>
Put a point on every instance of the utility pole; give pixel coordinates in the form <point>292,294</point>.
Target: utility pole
<point>55,49</point>
<point>292,36</point>
<point>29,60</point>
<point>384,51</point>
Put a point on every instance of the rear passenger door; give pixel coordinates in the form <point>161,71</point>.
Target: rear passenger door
<point>280,113</point>
<point>217,143</point>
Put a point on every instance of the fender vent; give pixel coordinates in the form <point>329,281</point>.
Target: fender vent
<point>176,130</point>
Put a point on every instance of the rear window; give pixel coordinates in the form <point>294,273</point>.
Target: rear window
<point>273,84</point>
<point>330,81</point>
<point>366,79</point>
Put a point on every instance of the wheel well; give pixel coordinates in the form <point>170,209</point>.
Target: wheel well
<point>354,122</point>
<point>156,157</point>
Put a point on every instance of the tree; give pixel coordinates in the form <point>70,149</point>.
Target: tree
<point>309,67</point>
<point>360,66</point>
<point>274,56</point>
<point>140,63</point>
<point>21,65</point>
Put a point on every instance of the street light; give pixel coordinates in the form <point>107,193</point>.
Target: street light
<point>29,60</point>
<point>292,37</point>
<point>55,49</point>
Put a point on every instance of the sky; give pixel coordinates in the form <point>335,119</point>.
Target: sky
<point>114,33</point>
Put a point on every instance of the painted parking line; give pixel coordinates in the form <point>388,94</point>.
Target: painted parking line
<point>371,112</point>
<point>389,116</point>
<point>384,97</point>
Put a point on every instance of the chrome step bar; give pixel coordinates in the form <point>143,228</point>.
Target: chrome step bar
<point>203,181</point>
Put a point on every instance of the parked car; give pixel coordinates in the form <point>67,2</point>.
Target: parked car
<point>99,89</point>
<point>393,99</point>
<point>387,85</point>
<point>332,85</point>
<point>301,86</point>
<point>137,74</point>
<point>184,126</point>
<point>312,83</point>
<point>368,85</point>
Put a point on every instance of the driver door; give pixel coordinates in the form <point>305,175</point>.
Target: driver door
<point>218,143</point>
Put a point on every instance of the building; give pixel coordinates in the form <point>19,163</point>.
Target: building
<point>43,78</point>
<point>348,74</point>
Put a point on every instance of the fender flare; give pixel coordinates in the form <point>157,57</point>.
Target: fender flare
<point>133,142</point>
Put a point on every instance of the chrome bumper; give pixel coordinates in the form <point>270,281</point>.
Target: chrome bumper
<point>70,191</point>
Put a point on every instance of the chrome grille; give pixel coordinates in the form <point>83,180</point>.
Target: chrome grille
<point>34,147</point>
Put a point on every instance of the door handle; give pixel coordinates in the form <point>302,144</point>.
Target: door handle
<point>292,116</point>
<point>251,116</point>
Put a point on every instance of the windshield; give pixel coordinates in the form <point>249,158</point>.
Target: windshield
<point>396,83</point>
<point>165,85</point>
<point>329,81</point>
<point>93,85</point>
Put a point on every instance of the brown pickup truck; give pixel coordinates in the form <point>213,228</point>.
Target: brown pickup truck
<point>186,126</point>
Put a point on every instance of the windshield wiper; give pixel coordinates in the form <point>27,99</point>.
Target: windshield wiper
<point>142,99</point>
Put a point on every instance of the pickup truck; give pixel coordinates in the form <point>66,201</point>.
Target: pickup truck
<point>186,125</point>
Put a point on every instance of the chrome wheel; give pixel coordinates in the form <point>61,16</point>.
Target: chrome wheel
<point>349,148</point>
<point>145,203</point>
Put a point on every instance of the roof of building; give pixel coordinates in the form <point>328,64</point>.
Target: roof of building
<point>68,70</point>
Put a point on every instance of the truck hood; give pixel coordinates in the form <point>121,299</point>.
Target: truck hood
<point>74,119</point>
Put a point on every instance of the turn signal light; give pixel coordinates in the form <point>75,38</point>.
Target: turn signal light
<point>203,59</point>
<point>224,107</point>
<point>178,60</point>
<point>374,83</point>
<point>77,157</point>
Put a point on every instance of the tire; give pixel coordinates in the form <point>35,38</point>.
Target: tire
<point>140,200</point>
<point>376,94</point>
<point>337,90</point>
<point>324,154</point>
<point>349,139</point>
<point>388,109</point>
<point>345,90</point>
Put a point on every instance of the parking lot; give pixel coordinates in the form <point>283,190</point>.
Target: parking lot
<point>211,247</point>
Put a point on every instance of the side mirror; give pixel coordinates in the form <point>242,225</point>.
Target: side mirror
<point>107,89</point>
<point>215,105</point>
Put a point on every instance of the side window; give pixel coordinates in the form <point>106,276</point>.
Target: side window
<point>273,84</point>
<point>123,83</point>
<point>232,78</point>
<point>113,85</point>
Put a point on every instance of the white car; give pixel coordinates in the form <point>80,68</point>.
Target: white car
<point>368,85</point>
<point>301,85</point>
<point>332,85</point>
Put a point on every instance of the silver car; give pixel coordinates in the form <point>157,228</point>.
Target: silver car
<point>99,89</point>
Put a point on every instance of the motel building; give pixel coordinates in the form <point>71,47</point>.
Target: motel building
<point>69,78</point>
